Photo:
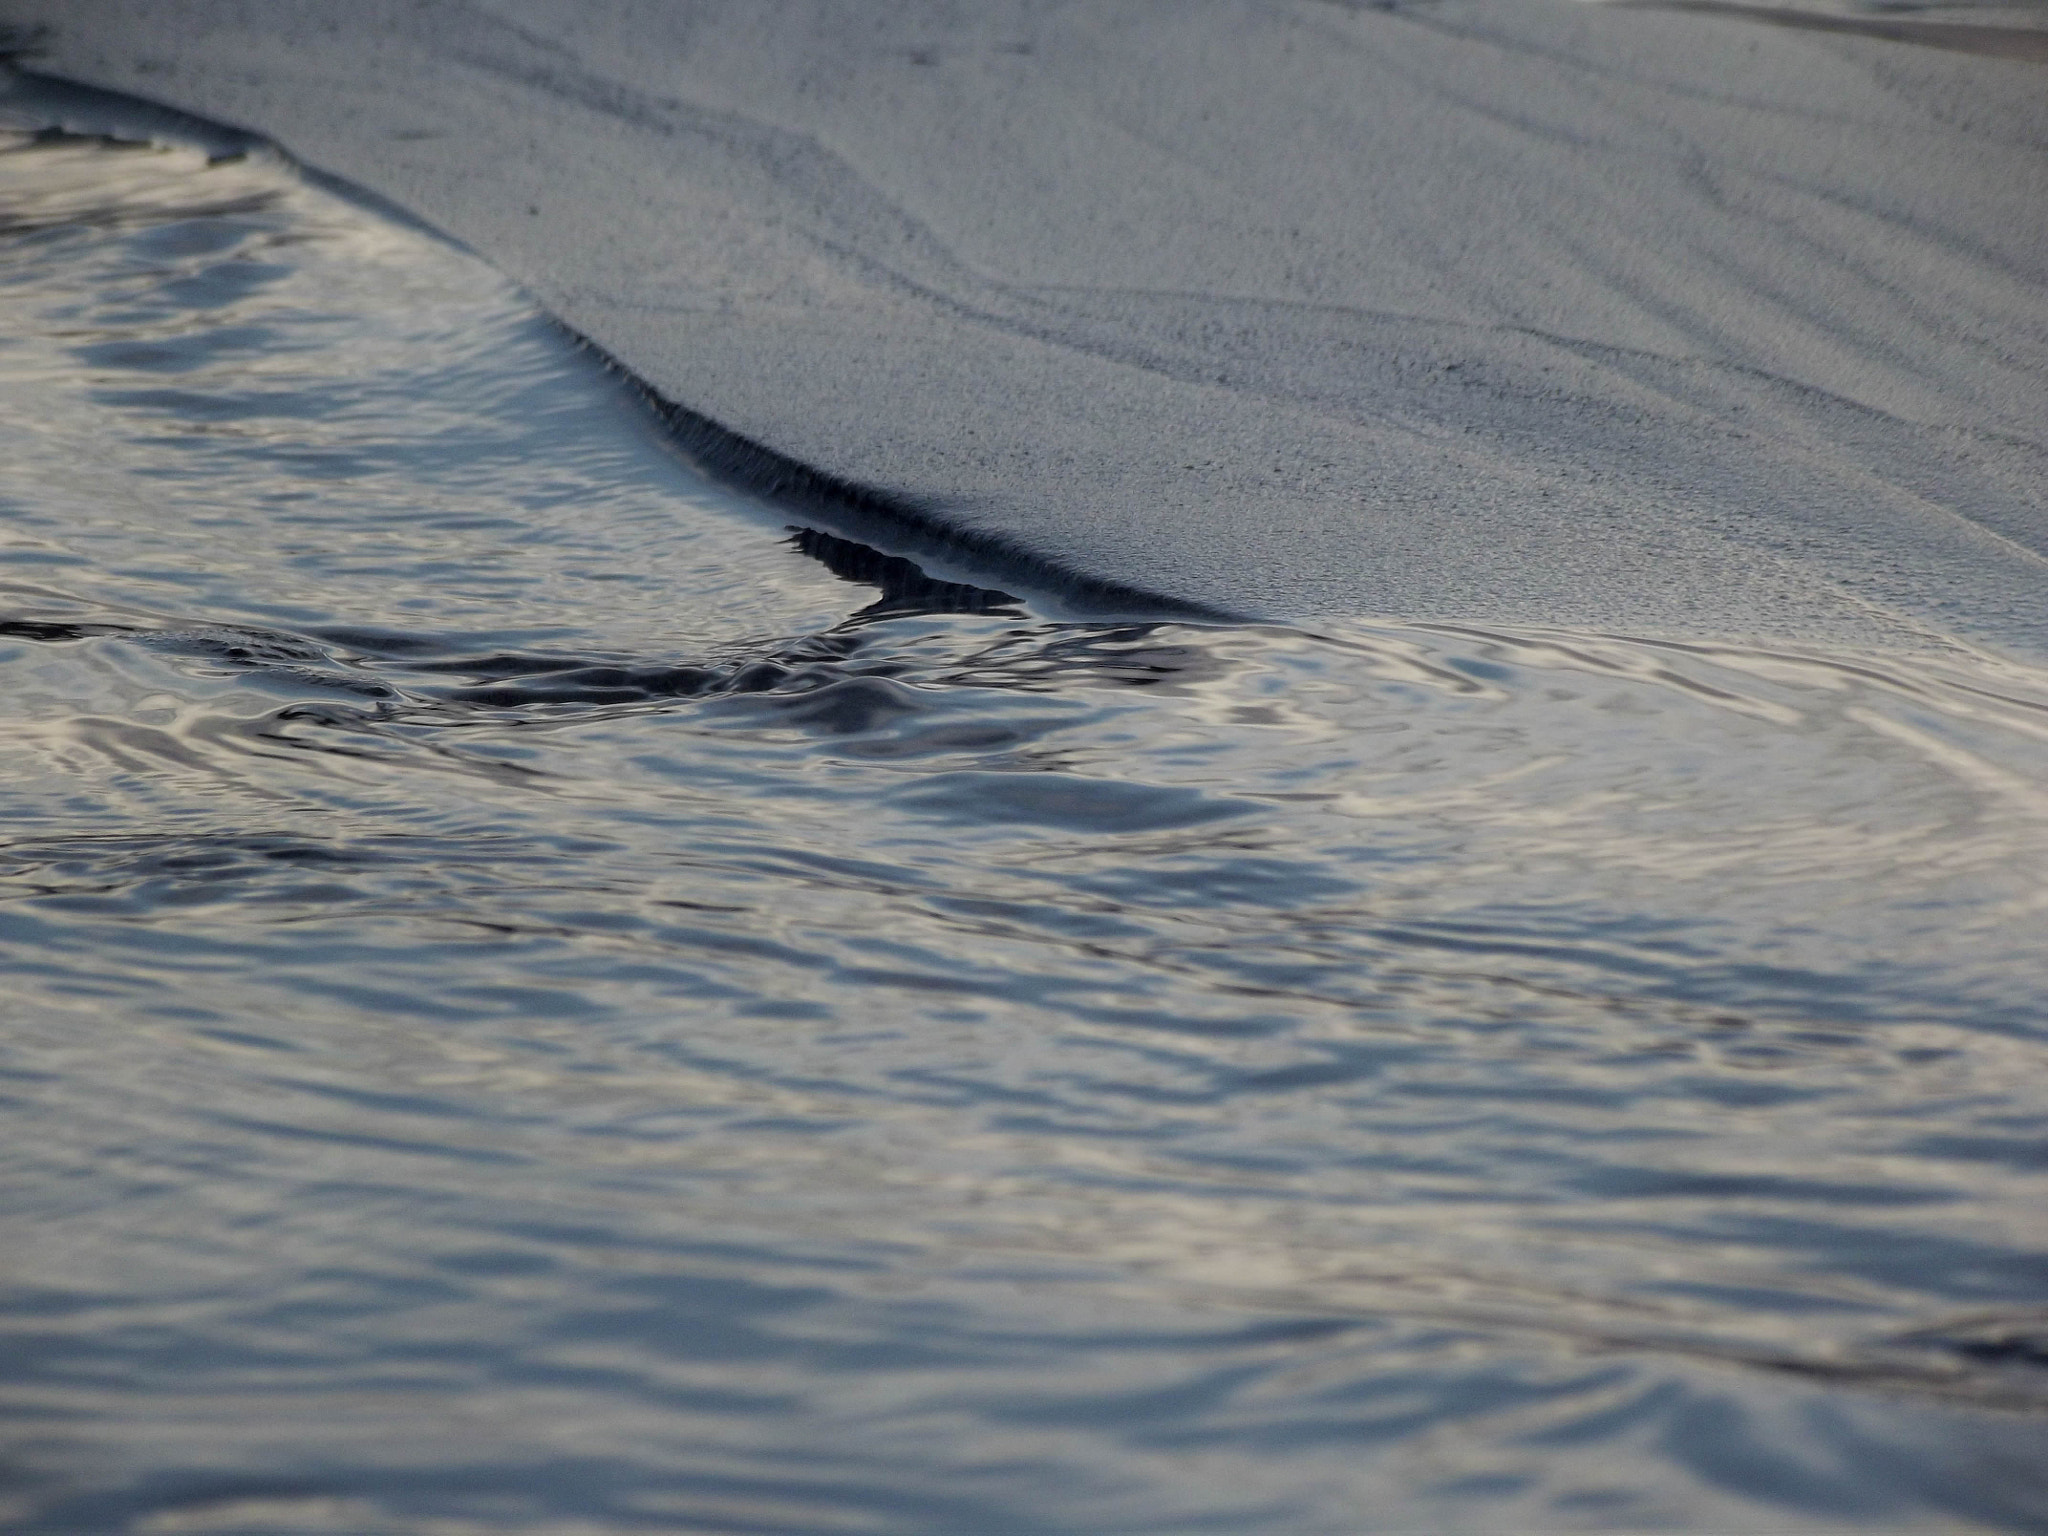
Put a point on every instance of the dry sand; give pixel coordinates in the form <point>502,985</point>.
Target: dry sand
<point>1490,311</point>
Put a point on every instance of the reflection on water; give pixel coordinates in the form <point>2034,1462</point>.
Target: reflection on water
<point>537,1001</point>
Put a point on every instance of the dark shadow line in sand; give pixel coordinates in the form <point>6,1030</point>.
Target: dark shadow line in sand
<point>869,513</point>
<point>905,587</point>
<point>2022,43</point>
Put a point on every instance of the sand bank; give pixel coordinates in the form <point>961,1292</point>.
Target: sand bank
<point>1510,311</point>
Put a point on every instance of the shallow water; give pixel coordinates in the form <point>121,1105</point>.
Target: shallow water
<point>541,998</point>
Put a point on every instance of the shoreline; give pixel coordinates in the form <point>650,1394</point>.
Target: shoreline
<point>1478,312</point>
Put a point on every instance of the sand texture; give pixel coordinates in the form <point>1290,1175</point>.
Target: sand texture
<point>1485,311</point>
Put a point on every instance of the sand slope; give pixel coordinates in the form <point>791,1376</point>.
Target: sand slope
<point>1514,311</point>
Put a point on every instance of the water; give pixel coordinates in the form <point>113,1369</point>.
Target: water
<point>533,1004</point>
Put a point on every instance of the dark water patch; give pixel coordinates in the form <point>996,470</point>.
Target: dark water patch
<point>541,998</point>
<point>1066,802</point>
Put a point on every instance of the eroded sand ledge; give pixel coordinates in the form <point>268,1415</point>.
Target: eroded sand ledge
<point>1508,311</point>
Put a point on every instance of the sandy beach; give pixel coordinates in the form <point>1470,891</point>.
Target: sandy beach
<point>1511,311</point>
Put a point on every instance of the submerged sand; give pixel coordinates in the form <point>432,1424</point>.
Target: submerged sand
<point>1514,311</point>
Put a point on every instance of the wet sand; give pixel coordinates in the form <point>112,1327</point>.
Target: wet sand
<point>1498,311</point>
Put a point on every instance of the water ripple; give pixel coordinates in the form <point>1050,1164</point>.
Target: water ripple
<point>541,997</point>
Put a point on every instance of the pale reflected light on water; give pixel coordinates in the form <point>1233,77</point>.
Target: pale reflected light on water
<point>533,1004</point>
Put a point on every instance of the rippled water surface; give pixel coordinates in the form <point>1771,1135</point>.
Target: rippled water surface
<point>538,998</point>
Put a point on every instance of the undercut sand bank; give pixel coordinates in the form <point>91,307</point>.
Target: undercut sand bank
<point>1513,311</point>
